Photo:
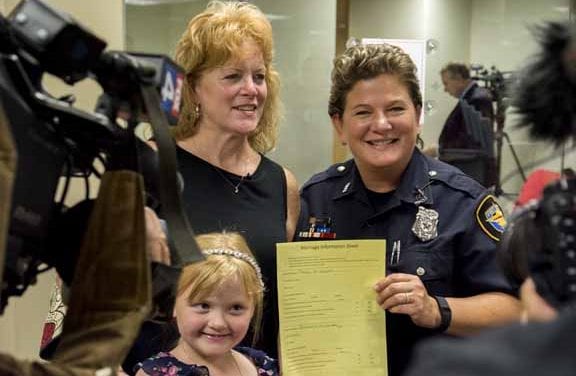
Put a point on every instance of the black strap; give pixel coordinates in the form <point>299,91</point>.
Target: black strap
<point>184,248</point>
<point>445,313</point>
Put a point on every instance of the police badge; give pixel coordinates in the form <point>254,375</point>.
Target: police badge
<point>425,226</point>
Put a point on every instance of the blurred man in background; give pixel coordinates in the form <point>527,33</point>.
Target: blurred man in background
<point>466,140</point>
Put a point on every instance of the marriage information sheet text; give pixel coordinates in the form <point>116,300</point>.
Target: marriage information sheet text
<point>330,323</point>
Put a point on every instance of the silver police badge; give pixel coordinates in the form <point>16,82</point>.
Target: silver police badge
<point>425,226</point>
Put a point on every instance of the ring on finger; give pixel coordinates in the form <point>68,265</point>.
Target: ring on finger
<point>406,298</point>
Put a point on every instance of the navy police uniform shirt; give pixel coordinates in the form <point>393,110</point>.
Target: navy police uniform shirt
<point>454,254</point>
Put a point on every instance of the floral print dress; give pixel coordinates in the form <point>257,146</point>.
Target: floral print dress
<point>165,364</point>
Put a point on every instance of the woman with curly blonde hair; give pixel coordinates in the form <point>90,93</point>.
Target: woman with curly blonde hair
<point>229,120</point>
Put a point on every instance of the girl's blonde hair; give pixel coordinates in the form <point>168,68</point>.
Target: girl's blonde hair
<point>202,278</point>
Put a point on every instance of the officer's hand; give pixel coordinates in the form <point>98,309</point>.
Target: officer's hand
<point>406,294</point>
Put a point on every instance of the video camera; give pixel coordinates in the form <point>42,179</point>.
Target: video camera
<point>56,141</point>
<point>497,82</point>
<point>540,242</point>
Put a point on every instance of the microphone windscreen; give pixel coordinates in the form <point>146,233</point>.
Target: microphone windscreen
<point>545,94</point>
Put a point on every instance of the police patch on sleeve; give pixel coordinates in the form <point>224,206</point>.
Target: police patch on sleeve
<point>490,217</point>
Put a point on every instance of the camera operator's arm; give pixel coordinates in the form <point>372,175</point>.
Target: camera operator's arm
<point>157,250</point>
<point>156,242</point>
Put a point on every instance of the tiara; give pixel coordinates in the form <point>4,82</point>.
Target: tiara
<point>238,255</point>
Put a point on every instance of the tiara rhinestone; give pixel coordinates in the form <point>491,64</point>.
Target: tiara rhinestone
<point>238,255</point>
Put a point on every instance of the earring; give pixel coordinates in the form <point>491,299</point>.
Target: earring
<point>194,115</point>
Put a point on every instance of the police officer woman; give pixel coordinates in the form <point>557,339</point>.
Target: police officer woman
<point>440,225</point>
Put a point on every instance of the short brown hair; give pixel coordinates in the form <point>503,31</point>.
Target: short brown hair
<point>363,62</point>
<point>456,70</point>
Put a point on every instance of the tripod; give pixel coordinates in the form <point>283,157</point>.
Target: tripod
<point>497,82</point>
<point>499,136</point>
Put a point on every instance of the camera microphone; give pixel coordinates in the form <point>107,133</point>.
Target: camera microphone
<point>120,74</point>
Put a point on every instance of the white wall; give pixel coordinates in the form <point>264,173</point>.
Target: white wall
<point>156,29</point>
<point>21,324</point>
<point>499,33</point>
<point>305,46</point>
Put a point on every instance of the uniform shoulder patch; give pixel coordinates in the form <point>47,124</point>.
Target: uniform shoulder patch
<point>490,217</point>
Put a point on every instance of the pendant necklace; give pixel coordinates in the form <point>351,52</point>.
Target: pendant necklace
<point>229,181</point>
<point>235,187</point>
<point>221,171</point>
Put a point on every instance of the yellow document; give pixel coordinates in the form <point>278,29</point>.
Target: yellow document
<point>330,323</point>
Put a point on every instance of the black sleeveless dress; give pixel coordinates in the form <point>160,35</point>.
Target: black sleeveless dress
<point>258,211</point>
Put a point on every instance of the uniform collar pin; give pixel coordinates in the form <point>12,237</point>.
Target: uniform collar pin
<point>420,197</point>
<point>346,187</point>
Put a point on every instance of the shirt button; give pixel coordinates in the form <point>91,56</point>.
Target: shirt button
<point>420,271</point>
<point>341,168</point>
<point>432,173</point>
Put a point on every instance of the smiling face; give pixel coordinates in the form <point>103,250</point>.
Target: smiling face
<point>232,96</point>
<point>380,125</point>
<point>212,326</point>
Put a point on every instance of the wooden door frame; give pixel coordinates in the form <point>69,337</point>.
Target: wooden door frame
<point>340,152</point>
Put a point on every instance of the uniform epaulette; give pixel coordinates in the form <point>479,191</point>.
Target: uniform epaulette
<point>336,170</point>
<point>456,179</point>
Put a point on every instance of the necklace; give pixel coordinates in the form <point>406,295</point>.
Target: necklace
<point>235,187</point>
<point>198,152</point>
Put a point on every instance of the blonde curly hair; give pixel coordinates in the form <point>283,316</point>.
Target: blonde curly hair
<point>211,39</point>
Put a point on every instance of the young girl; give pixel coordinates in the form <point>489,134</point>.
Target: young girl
<point>217,301</point>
